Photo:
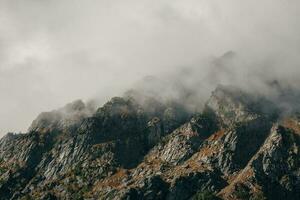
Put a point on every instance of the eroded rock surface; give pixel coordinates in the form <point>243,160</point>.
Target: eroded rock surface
<point>238,147</point>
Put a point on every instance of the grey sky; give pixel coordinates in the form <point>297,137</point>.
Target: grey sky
<point>55,51</point>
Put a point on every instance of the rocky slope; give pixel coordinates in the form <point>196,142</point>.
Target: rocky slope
<point>238,147</point>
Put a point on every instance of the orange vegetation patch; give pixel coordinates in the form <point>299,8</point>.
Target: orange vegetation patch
<point>217,135</point>
<point>231,178</point>
<point>152,161</point>
<point>292,124</point>
<point>197,165</point>
<point>189,132</point>
<point>183,170</point>
<point>192,165</point>
<point>243,177</point>
<point>114,181</point>
<point>154,166</point>
<point>208,151</point>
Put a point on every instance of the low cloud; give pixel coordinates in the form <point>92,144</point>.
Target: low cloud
<point>52,52</point>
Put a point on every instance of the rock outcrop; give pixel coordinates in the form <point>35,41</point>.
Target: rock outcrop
<point>238,147</point>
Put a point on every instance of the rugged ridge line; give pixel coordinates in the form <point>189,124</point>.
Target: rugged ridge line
<point>238,147</point>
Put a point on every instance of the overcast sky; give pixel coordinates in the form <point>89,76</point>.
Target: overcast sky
<point>55,51</point>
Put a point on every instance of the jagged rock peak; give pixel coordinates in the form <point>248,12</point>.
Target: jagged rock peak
<point>233,105</point>
<point>67,116</point>
<point>128,149</point>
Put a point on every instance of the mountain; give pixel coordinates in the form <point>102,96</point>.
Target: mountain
<point>238,147</point>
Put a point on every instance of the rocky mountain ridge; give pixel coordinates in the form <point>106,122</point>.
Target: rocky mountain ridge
<point>238,147</point>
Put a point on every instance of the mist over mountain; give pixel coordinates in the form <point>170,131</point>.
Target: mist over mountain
<point>66,50</point>
<point>146,146</point>
<point>149,100</point>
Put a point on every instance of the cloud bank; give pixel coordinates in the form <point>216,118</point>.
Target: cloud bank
<point>52,52</point>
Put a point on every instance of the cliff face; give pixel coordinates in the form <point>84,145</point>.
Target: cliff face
<point>237,148</point>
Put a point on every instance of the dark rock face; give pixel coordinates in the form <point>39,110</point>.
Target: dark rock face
<point>237,148</point>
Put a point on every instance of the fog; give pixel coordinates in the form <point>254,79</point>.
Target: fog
<point>53,52</point>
